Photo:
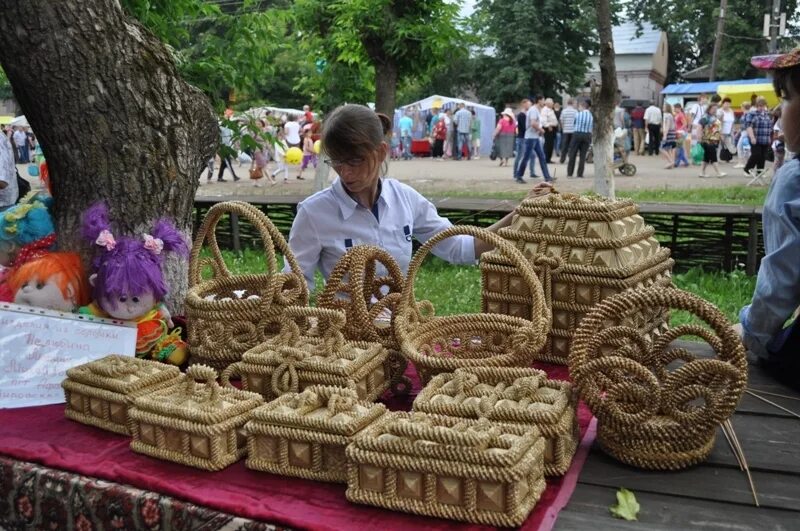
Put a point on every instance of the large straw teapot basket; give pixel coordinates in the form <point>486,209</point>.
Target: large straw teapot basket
<point>366,284</point>
<point>443,344</point>
<point>230,314</point>
<point>658,405</point>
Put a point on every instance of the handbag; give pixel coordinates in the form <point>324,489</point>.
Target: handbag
<point>493,154</point>
<point>256,173</point>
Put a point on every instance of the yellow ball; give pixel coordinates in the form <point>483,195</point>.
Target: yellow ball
<point>317,146</point>
<point>294,155</point>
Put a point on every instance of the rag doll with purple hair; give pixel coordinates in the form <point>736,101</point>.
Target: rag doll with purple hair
<point>128,283</point>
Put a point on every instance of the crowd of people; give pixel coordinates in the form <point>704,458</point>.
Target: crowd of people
<point>274,135</point>
<point>453,134</point>
<point>23,141</point>
<point>710,131</point>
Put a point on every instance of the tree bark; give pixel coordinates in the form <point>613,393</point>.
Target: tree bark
<point>603,103</point>
<point>114,118</point>
<point>385,87</point>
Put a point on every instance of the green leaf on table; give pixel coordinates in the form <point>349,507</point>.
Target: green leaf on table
<point>627,507</point>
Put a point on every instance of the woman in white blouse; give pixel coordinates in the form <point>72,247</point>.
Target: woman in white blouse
<point>363,207</point>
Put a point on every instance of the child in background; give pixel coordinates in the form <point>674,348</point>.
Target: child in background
<point>777,294</point>
<point>309,157</point>
<point>396,150</point>
<point>280,157</point>
<point>743,142</point>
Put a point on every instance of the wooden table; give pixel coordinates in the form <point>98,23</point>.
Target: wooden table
<point>714,495</point>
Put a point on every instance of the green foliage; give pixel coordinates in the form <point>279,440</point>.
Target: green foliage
<point>6,92</point>
<point>691,30</point>
<point>223,52</point>
<point>402,38</point>
<point>626,507</point>
<point>538,46</point>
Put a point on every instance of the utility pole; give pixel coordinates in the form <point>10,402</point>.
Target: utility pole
<point>723,5</point>
<point>774,26</point>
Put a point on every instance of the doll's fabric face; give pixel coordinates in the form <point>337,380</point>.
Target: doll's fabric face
<point>128,307</point>
<point>46,294</point>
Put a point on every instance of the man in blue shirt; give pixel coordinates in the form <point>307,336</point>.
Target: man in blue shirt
<point>463,120</point>
<point>581,139</point>
<point>406,123</point>
<point>533,143</point>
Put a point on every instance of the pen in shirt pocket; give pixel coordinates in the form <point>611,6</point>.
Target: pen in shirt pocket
<point>407,232</point>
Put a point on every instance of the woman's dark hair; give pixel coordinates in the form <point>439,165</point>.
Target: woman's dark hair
<point>354,131</point>
<point>785,78</point>
<point>726,100</point>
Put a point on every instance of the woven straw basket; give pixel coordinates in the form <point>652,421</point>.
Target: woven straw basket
<point>196,424</point>
<point>658,406</point>
<point>305,434</point>
<point>366,285</point>
<point>514,396</point>
<point>292,360</point>
<point>100,392</point>
<point>222,323</point>
<point>444,344</point>
<point>585,250</point>
<point>468,470</point>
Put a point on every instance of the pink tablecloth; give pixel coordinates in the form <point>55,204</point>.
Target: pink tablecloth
<point>42,435</point>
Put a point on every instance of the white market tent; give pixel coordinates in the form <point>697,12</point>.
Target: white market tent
<point>420,109</point>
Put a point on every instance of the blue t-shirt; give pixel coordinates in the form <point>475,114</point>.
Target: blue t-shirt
<point>406,123</point>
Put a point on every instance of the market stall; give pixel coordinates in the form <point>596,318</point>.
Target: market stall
<point>420,111</point>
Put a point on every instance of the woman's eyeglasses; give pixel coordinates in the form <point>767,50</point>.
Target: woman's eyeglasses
<point>351,163</point>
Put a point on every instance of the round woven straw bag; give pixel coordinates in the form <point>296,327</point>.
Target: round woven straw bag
<point>443,344</point>
<point>657,404</point>
<point>369,300</point>
<point>230,314</point>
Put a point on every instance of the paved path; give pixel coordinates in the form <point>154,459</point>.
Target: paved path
<point>484,176</point>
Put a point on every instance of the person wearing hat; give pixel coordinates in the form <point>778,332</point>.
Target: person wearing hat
<point>777,294</point>
<point>504,135</point>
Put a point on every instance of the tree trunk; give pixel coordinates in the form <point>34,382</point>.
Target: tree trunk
<point>385,87</point>
<point>603,102</point>
<point>113,116</point>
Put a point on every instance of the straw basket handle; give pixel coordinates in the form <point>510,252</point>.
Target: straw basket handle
<point>230,371</point>
<point>540,314</point>
<point>269,235</point>
<point>636,374</point>
<point>204,374</point>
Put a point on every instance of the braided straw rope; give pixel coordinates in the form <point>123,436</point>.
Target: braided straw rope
<point>510,395</point>
<point>354,288</point>
<point>99,393</point>
<point>292,360</point>
<point>469,470</point>
<point>650,413</point>
<point>305,434</point>
<point>198,425</point>
<point>443,344</point>
<point>222,324</point>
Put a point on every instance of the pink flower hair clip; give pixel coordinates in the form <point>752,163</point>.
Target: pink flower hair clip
<point>106,239</point>
<point>154,245</point>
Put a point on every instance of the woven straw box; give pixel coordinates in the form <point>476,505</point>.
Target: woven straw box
<point>99,393</point>
<point>514,396</point>
<point>305,434</point>
<point>272,369</point>
<point>585,250</point>
<point>474,471</point>
<point>195,424</point>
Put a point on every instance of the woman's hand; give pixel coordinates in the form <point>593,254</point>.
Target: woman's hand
<point>541,189</point>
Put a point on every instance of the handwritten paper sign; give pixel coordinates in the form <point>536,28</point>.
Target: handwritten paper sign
<point>38,346</point>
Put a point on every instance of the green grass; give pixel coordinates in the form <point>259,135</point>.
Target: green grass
<point>731,195</point>
<point>456,289</point>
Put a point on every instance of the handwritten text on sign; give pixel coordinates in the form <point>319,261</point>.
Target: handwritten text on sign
<point>38,346</point>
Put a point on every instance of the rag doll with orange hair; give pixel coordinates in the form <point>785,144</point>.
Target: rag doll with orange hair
<point>54,281</point>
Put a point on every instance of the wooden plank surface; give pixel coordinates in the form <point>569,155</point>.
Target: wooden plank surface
<point>589,509</point>
<point>713,495</point>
